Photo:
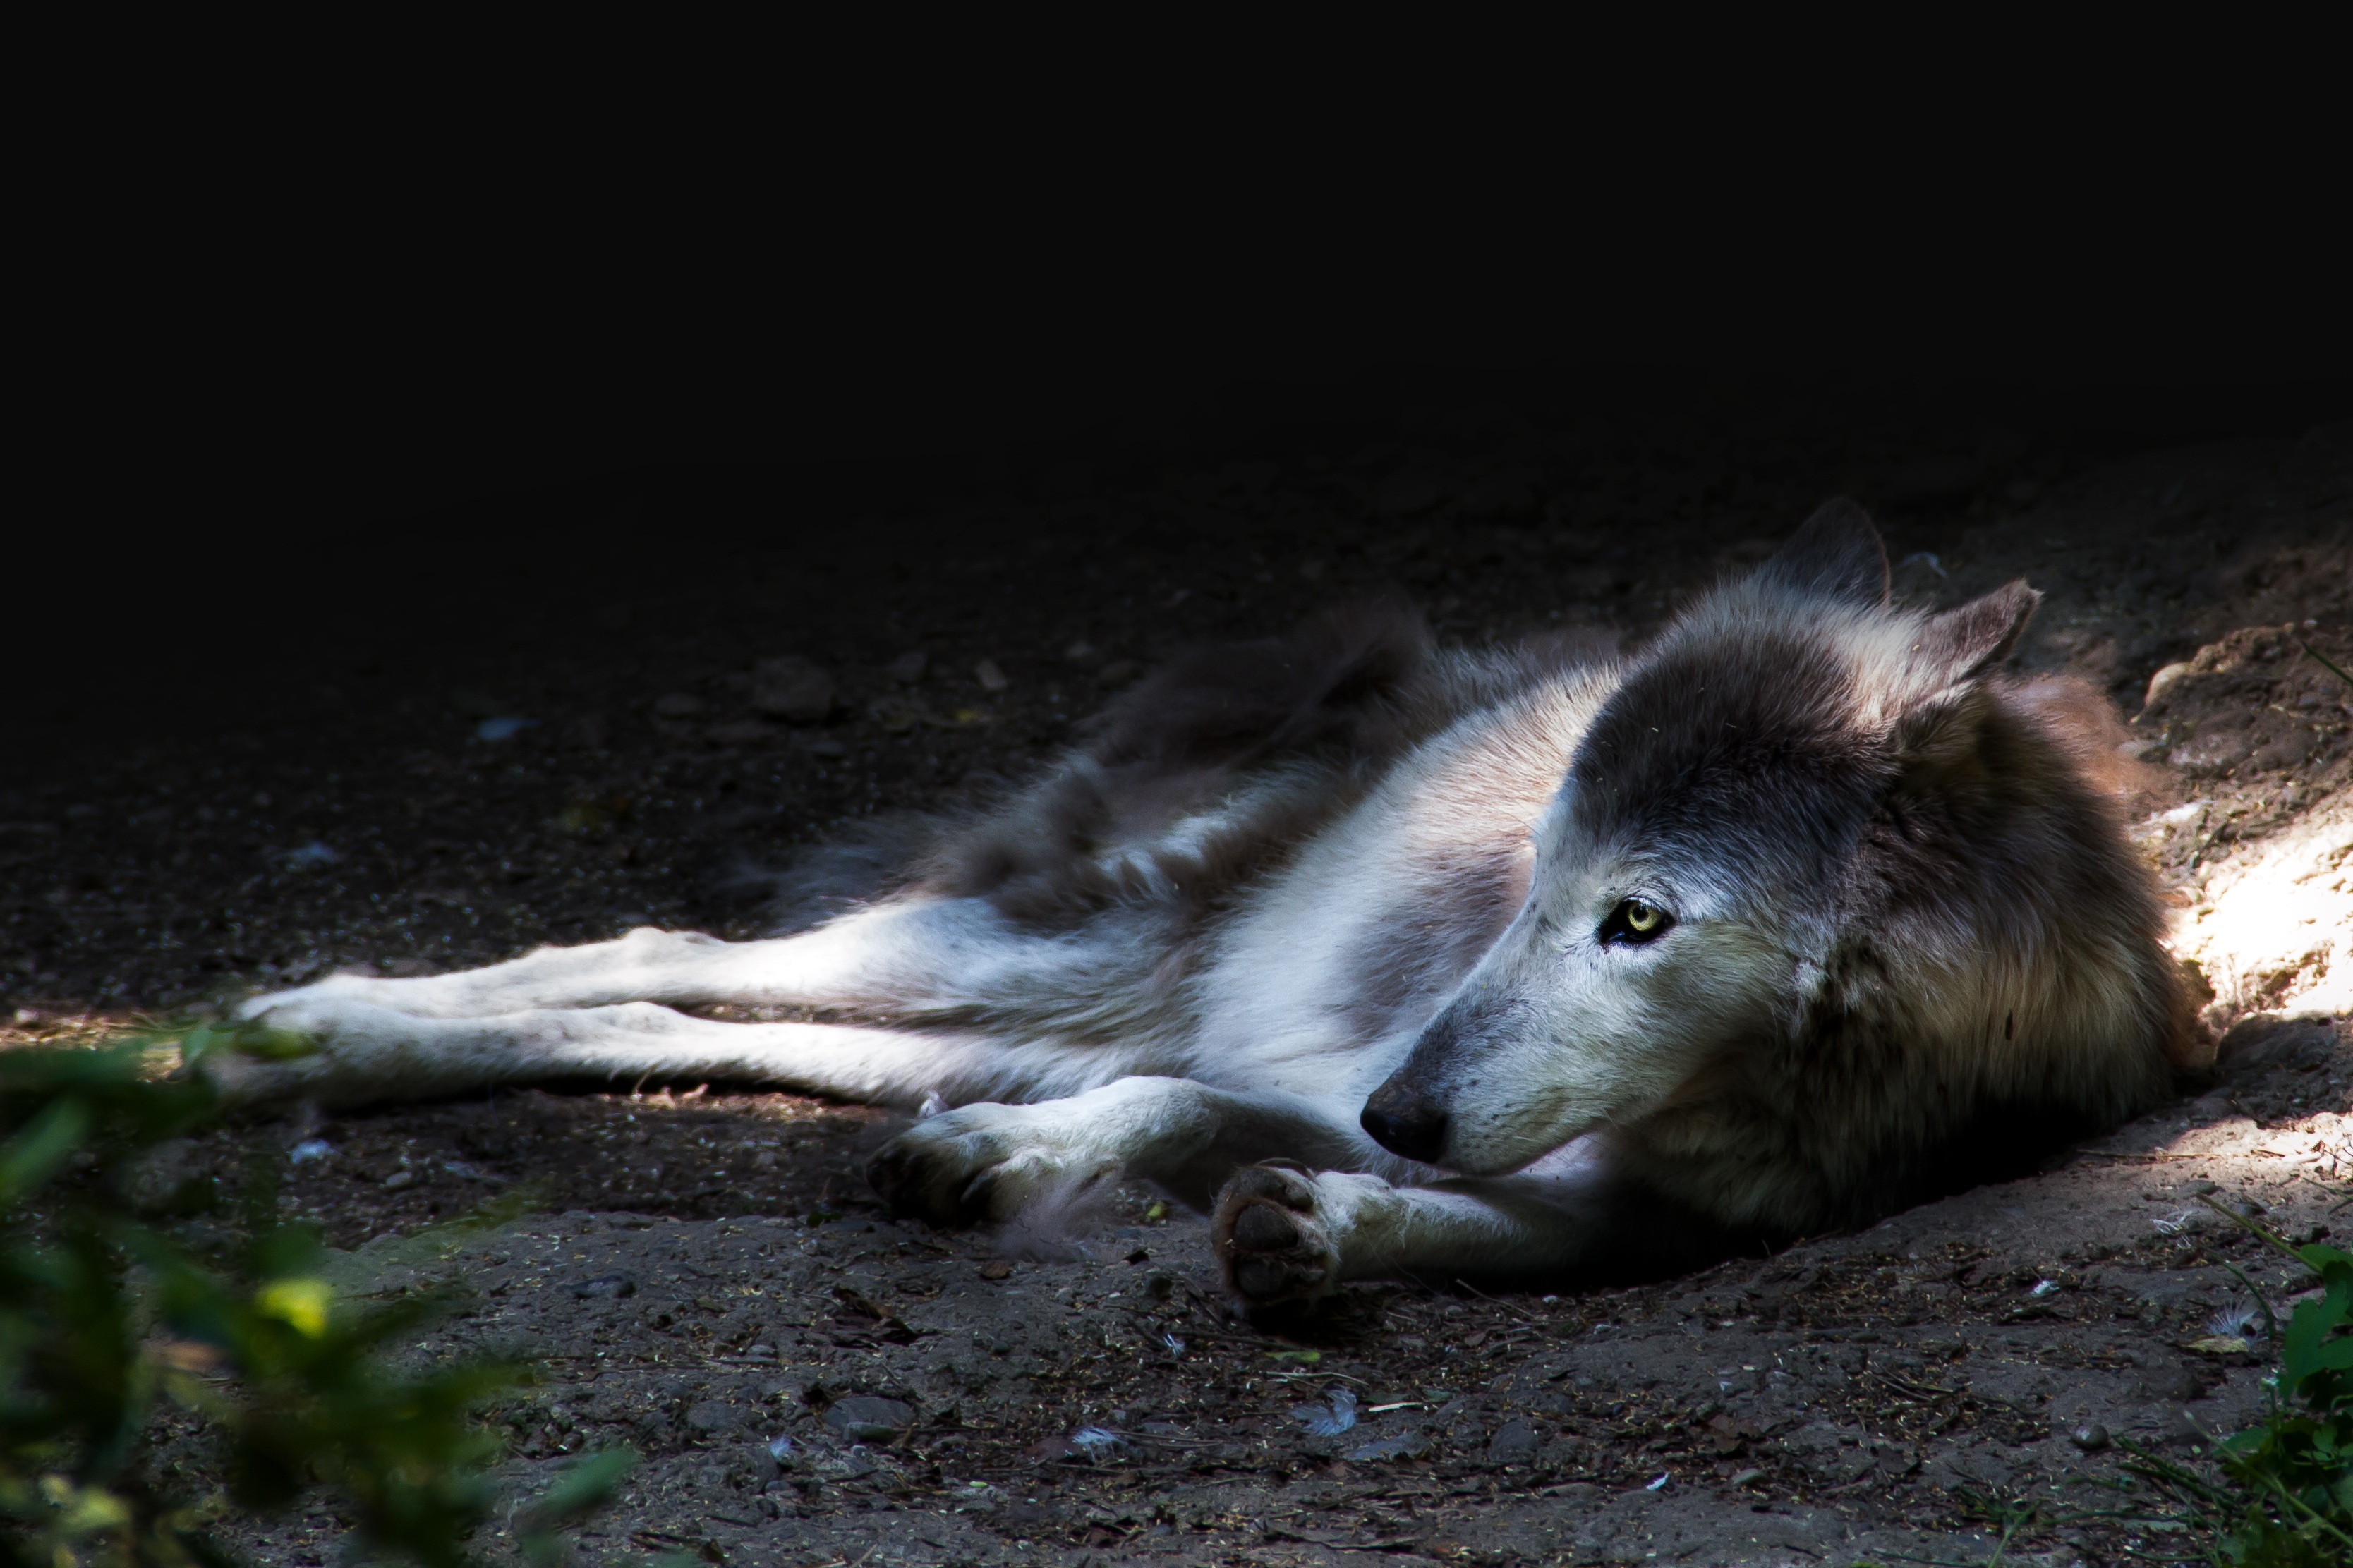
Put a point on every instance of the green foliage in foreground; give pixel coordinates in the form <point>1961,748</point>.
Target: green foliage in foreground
<point>2285,1498</point>
<point>102,1315</point>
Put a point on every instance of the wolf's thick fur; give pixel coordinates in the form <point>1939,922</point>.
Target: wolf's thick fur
<point>1402,959</point>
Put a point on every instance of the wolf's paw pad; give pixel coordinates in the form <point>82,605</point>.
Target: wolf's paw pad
<point>970,1166</point>
<point>1270,1239</point>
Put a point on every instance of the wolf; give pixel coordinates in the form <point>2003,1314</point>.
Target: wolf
<point>1392,958</point>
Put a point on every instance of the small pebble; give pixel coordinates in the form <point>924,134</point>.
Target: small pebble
<point>866,1418</point>
<point>607,1285</point>
<point>793,688</point>
<point>991,679</point>
<point>1514,1443</point>
<point>398,1180</point>
<point>2091,1439</point>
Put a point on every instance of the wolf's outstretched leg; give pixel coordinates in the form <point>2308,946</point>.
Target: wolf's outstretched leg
<point>896,957</point>
<point>1289,1235</point>
<point>988,1162</point>
<point>367,1053</point>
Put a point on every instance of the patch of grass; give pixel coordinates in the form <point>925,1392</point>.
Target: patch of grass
<point>106,1319</point>
<point>2284,1497</point>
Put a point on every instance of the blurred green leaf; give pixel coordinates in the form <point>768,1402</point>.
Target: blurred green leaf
<point>100,1313</point>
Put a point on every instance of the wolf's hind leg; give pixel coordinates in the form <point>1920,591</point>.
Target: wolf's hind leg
<point>891,956</point>
<point>988,1162</point>
<point>1285,1235</point>
<point>366,1053</point>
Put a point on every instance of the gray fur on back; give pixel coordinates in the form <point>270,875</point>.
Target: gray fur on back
<point>1273,739</point>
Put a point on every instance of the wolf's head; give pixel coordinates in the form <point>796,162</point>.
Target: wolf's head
<point>1809,850</point>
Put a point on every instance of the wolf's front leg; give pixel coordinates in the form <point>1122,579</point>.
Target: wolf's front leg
<point>988,1162</point>
<point>1288,1236</point>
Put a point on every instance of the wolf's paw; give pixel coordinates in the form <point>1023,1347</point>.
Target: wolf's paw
<point>1271,1239</point>
<point>984,1162</point>
<point>315,1043</point>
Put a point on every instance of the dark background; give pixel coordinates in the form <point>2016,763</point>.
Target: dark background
<point>307,401</point>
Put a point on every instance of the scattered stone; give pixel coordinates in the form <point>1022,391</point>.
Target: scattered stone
<point>792,688</point>
<point>714,1416</point>
<point>866,1418</point>
<point>1404,1445</point>
<point>398,1180</point>
<point>2163,681</point>
<point>996,1268</point>
<point>1514,1443</point>
<point>2211,755</point>
<point>991,679</point>
<point>2091,1439</point>
<point>605,1285</point>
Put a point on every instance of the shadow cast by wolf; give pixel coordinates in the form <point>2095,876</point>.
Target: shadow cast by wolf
<point>1397,958</point>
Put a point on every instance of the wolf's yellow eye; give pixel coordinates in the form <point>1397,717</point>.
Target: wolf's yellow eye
<point>1635,921</point>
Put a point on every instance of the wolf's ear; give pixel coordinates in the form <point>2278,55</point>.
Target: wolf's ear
<point>1964,642</point>
<point>1835,553</point>
<point>1938,734</point>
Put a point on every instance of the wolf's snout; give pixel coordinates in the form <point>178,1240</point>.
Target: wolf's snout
<point>1405,1124</point>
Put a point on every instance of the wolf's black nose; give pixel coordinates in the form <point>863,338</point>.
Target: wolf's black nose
<point>1415,1129</point>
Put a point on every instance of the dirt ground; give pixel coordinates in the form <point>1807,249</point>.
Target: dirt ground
<point>811,1383</point>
